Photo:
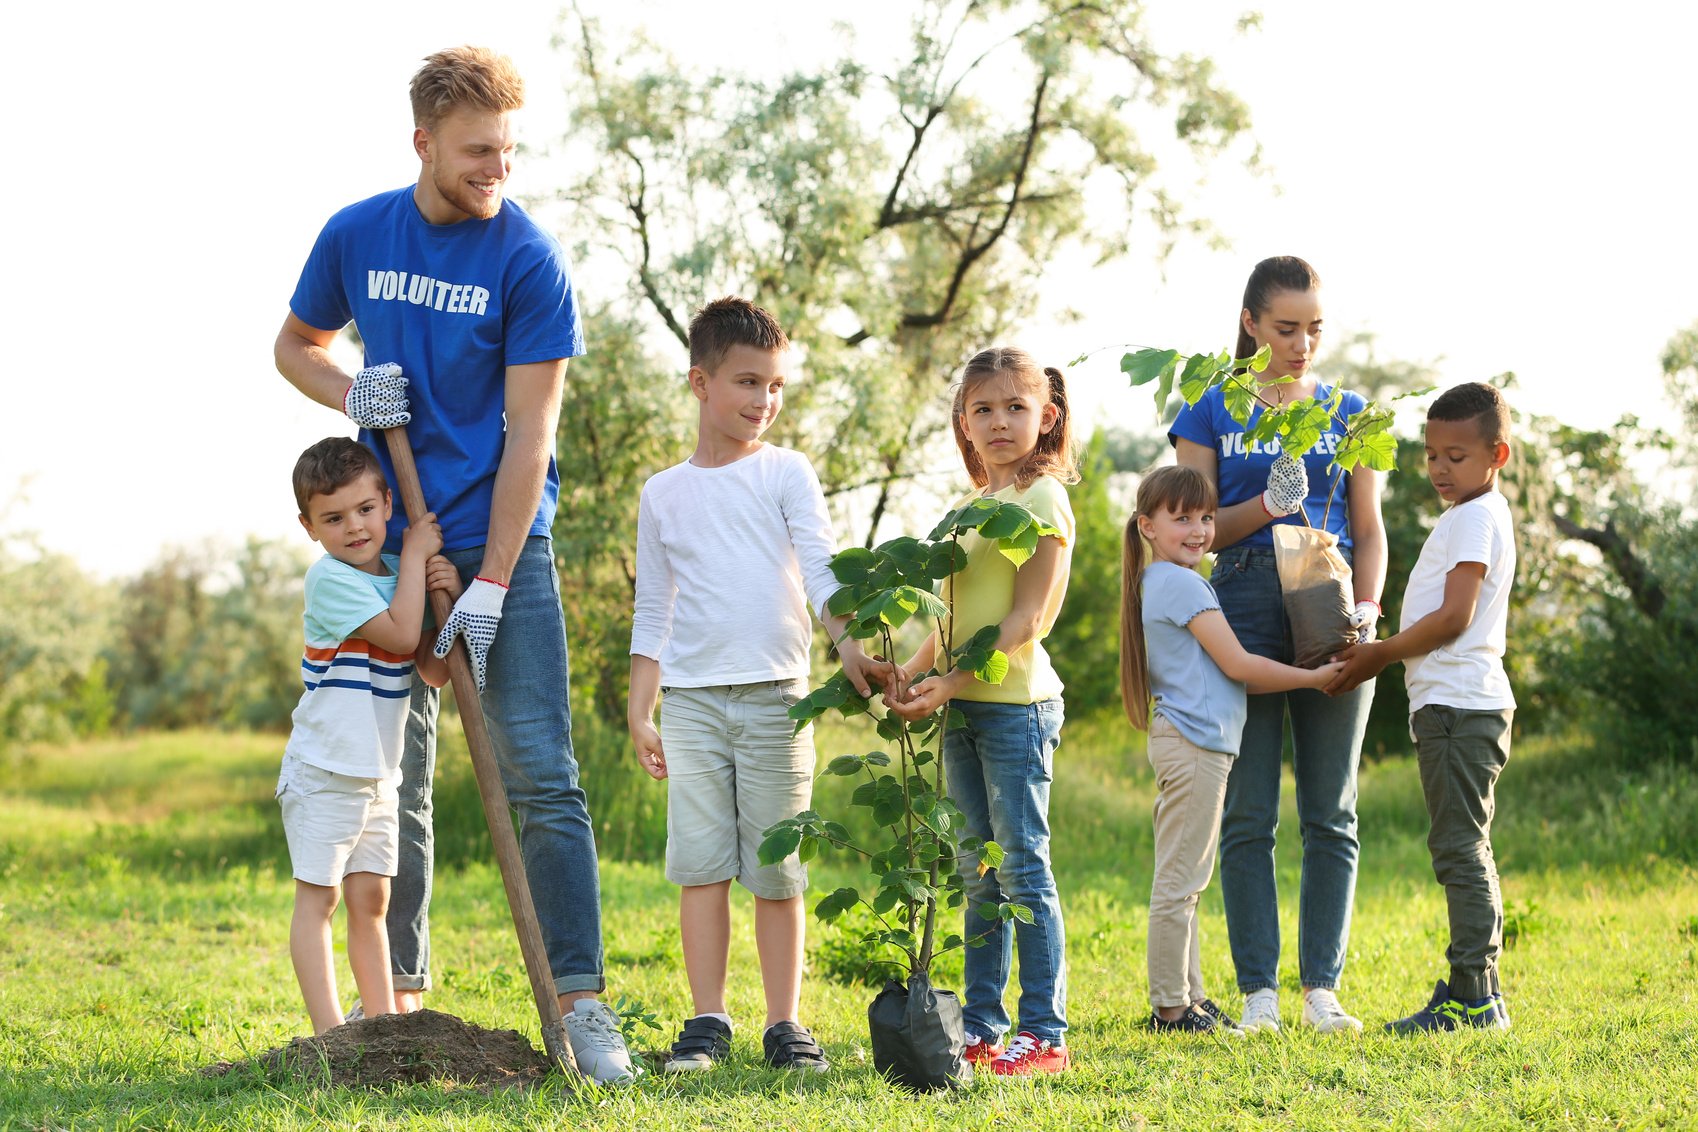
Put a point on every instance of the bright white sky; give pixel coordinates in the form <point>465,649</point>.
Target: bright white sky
<point>1484,186</point>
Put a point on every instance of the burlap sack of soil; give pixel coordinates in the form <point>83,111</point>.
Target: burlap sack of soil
<point>919,1037</point>
<point>1317,588</point>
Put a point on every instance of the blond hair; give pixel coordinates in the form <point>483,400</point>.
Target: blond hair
<point>472,77</point>
<point>1053,456</point>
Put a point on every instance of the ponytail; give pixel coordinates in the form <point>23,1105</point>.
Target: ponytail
<point>1134,658</point>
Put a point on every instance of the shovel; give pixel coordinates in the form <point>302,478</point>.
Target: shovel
<point>490,789</point>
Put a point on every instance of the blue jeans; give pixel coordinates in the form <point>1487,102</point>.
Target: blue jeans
<point>998,769</point>
<point>530,726</point>
<point>1326,735</point>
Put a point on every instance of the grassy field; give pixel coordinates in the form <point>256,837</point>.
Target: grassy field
<point>144,902</point>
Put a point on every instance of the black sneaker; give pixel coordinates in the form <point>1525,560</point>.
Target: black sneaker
<point>703,1042</point>
<point>1195,1021</point>
<point>789,1045</point>
<point>1207,1006</point>
<point>1444,1013</point>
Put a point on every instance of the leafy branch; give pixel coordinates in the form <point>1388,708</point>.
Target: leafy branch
<point>883,588</point>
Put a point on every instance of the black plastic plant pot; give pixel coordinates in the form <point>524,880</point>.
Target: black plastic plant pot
<point>919,1038</point>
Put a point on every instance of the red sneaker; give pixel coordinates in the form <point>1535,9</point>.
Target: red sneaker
<point>1026,1054</point>
<point>982,1052</point>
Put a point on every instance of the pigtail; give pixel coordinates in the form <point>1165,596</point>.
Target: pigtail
<point>1134,655</point>
<point>1054,455</point>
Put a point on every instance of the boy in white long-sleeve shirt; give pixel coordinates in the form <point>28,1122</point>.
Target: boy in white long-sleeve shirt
<point>733,545</point>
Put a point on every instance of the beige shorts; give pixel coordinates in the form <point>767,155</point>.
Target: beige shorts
<point>337,824</point>
<point>734,767</point>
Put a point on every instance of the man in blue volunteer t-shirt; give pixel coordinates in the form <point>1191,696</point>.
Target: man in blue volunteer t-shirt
<point>467,313</point>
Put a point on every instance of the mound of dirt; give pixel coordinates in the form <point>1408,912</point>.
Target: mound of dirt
<point>403,1049</point>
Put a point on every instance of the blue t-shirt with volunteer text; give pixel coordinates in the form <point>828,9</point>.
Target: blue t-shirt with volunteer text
<point>1243,466</point>
<point>453,305</point>
<point>1188,687</point>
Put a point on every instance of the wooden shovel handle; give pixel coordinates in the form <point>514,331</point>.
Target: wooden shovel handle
<point>494,795</point>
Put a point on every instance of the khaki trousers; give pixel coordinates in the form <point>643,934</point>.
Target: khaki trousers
<point>1192,785</point>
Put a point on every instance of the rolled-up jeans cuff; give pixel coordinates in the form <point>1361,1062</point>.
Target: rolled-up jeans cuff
<point>570,984</point>
<point>411,982</point>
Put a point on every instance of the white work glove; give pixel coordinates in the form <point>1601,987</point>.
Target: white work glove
<point>378,397</point>
<point>1288,486</point>
<point>475,616</point>
<point>1366,619</point>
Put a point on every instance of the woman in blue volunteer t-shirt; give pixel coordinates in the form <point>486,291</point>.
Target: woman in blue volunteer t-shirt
<point>1259,487</point>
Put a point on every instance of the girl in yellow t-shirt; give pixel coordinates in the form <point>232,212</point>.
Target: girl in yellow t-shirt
<point>1015,434</point>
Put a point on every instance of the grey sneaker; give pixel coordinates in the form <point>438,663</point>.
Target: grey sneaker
<point>355,1012</point>
<point>597,1045</point>
<point>1261,1011</point>
<point>1322,1011</point>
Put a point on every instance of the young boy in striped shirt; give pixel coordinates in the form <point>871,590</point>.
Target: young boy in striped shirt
<point>364,641</point>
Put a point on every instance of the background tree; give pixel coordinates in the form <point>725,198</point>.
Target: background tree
<point>896,219</point>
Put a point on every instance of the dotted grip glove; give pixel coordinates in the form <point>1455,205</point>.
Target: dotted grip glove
<point>1365,619</point>
<point>378,397</point>
<point>1288,486</point>
<point>475,616</point>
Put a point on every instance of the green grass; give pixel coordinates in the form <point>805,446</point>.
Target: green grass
<point>144,902</point>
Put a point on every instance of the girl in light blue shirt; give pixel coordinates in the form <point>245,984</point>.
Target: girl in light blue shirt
<point>1178,652</point>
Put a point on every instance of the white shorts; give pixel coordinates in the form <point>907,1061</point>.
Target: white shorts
<point>337,824</point>
<point>735,765</point>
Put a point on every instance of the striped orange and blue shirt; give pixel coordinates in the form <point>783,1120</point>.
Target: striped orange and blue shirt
<point>353,711</point>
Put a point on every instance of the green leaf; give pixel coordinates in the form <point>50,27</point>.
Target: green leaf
<point>836,904</point>
<point>1194,380</point>
<point>845,765</point>
<point>780,841</point>
<point>990,911</point>
<point>1019,548</point>
<point>1377,450</point>
<point>991,855</point>
<point>1009,520</point>
<point>973,515</point>
<point>1305,424</point>
<point>931,605</point>
<point>1238,395</point>
<point>1020,912</point>
<point>993,670</point>
<point>946,558</point>
<point>852,565</point>
<point>1144,366</point>
<point>842,603</point>
<point>1258,362</point>
<point>806,850</point>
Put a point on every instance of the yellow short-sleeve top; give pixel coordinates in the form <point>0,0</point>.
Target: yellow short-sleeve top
<point>983,594</point>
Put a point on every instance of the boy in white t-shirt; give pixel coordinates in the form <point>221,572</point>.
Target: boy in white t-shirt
<point>1451,639</point>
<point>341,768</point>
<point>733,545</point>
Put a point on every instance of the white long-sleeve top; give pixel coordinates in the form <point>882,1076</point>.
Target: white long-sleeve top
<point>728,560</point>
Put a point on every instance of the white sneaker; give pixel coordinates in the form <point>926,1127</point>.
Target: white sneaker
<point>1322,1011</point>
<point>1261,1012</point>
<point>592,1030</point>
<point>355,1012</point>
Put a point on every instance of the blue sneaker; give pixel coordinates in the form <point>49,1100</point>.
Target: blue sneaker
<point>1444,1013</point>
